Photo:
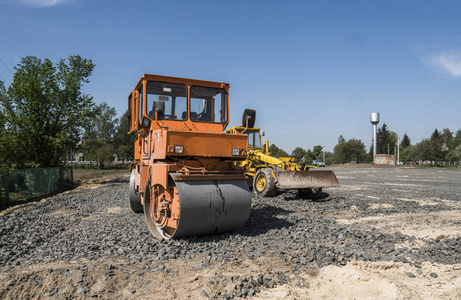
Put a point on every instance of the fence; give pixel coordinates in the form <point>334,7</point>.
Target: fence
<point>17,185</point>
<point>433,163</point>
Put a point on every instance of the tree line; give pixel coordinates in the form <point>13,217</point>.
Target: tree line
<point>443,145</point>
<point>44,116</point>
<point>299,154</point>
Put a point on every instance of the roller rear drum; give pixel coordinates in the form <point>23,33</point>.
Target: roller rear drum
<point>135,198</point>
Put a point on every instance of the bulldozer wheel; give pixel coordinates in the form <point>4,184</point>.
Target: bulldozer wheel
<point>310,193</point>
<point>264,183</point>
<point>135,198</point>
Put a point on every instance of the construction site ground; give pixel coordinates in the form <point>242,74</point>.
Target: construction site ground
<point>385,233</point>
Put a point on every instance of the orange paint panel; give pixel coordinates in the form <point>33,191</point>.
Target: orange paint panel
<point>199,144</point>
<point>160,174</point>
<point>142,177</point>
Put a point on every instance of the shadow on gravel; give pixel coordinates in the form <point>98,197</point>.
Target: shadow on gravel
<point>263,219</point>
<point>324,197</point>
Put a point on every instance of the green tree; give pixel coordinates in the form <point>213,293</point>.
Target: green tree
<point>124,142</point>
<point>422,151</point>
<point>298,154</point>
<point>405,141</point>
<point>385,139</point>
<point>435,135</point>
<point>314,154</point>
<point>442,145</point>
<point>456,140</point>
<point>429,149</point>
<point>339,151</point>
<point>409,153</point>
<point>44,110</point>
<point>352,150</point>
<point>329,158</point>
<point>3,149</point>
<point>3,131</point>
<point>437,149</point>
<point>98,150</point>
<point>447,138</point>
<point>341,140</point>
<point>308,156</point>
<point>99,135</point>
<point>102,123</point>
<point>369,156</point>
<point>356,150</point>
<point>454,154</point>
<point>277,152</point>
<point>317,152</point>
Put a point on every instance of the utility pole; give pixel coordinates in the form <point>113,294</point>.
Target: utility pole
<point>395,152</point>
<point>398,150</point>
<point>387,153</point>
<point>323,149</point>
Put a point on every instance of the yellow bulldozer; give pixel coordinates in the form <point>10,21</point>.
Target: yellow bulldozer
<point>267,174</point>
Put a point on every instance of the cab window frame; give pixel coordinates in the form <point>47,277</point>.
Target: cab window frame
<point>210,106</point>
<point>173,98</point>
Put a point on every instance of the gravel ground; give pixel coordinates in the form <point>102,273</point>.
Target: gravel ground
<point>88,243</point>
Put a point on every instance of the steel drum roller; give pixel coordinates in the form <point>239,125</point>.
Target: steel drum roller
<point>209,207</point>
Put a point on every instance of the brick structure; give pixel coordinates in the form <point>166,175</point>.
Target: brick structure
<point>384,159</point>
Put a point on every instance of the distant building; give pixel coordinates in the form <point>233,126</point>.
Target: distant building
<point>79,158</point>
<point>384,159</point>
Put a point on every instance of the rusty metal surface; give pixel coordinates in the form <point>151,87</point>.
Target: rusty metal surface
<point>212,206</point>
<point>306,179</point>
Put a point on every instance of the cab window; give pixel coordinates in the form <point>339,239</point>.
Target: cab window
<point>140,104</point>
<point>129,113</point>
<point>208,104</point>
<point>166,101</point>
<point>254,140</point>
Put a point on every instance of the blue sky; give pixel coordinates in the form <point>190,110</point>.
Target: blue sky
<point>313,70</point>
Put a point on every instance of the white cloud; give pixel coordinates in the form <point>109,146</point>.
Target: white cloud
<point>448,62</point>
<point>44,3</point>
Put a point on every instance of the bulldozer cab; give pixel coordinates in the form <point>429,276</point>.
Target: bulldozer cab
<point>254,136</point>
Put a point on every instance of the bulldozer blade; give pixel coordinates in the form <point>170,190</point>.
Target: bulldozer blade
<point>306,179</point>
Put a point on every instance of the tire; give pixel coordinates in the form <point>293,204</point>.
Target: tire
<point>135,198</point>
<point>310,193</point>
<point>264,183</point>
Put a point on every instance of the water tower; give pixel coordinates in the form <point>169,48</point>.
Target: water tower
<point>374,119</point>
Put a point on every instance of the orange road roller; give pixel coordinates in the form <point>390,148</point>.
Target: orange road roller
<point>185,177</point>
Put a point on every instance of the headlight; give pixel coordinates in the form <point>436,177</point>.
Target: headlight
<point>235,151</point>
<point>244,152</point>
<point>179,149</point>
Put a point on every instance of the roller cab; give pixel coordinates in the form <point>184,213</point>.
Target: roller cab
<point>186,178</point>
